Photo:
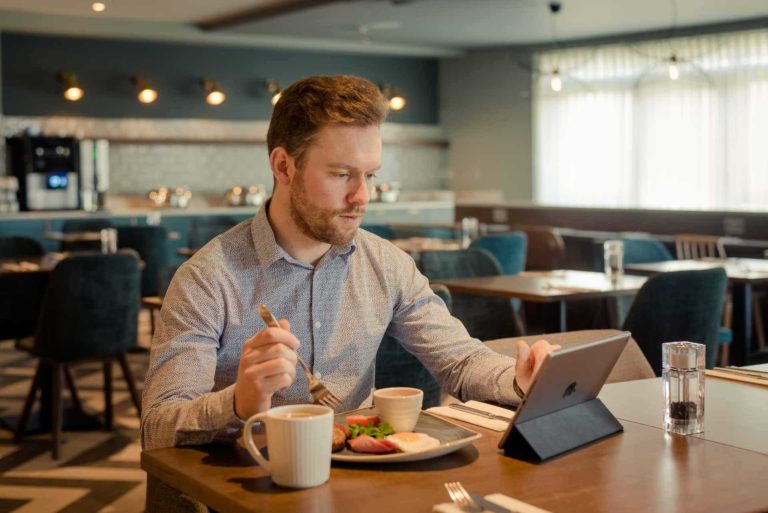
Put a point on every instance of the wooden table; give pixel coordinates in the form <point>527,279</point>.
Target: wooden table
<point>415,245</point>
<point>641,470</point>
<point>743,274</point>
<point>557,287</point>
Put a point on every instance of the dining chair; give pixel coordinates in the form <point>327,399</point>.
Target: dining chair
<point>84,225</point>
<point>203,229</point>
<point>546,247</point>
<point>509,248</point>
<point>151,243</point>
<point>20,294</point>
<point>427,231</point>
<point>485,317</point>
<point>396,367</point>
<point>674,306</point>
<point>89,312</point>
<point>689,245</point>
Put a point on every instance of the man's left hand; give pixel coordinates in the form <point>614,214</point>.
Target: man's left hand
<point>529,360</point>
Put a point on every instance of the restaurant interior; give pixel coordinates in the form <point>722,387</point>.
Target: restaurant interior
<point>562,169</point>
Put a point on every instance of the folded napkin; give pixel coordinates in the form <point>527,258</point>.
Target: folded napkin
<point>497,498</point>
<point>494,424</point>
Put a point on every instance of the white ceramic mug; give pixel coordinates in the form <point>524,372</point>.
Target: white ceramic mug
<point>399,406</point>
<point>299,442</point>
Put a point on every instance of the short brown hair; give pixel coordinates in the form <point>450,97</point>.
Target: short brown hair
<point>310,104</point>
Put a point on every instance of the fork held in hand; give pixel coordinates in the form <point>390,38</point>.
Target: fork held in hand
<point>461,498</point>
<point>320,394</point>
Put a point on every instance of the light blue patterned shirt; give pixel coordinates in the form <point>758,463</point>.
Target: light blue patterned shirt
<point>339,310</point>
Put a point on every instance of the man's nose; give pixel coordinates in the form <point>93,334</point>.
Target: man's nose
<point>362,194</point>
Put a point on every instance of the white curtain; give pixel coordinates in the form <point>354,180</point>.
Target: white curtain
<point>622,133</point>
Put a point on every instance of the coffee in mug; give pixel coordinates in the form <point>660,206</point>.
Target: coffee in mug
<point>299,442</point>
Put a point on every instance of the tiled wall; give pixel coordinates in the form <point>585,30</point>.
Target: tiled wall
<point>213,165</point>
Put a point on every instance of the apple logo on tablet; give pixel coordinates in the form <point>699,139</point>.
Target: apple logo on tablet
<point>569,389</point>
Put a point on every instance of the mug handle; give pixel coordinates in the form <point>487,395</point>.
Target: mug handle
<point>248,440</point>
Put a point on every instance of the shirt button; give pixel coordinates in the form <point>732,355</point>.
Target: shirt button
<point>318,375</point>
<point>318,324</point>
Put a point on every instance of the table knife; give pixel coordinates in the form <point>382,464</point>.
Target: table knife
<point>488,505</point>
<point>479,413</point>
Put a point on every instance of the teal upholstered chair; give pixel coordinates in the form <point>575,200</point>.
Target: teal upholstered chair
<point>203,229</point>
<point>432,232</point>
<point>20,294</point>
<point>675,306</point>
<point>485,317</point>
<point>151,243</point>
<point>396,367</point>
<point>509,249</point>
<point>382,230</point>
<point>89,312</point>
<point>84,225</point>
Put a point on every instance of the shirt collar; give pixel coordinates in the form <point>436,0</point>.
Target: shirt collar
<point>268,251</point>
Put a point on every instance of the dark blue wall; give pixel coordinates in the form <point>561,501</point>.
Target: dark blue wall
<point>104,67</point>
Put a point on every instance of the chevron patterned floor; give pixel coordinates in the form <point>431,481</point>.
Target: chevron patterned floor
<point>97,471</point>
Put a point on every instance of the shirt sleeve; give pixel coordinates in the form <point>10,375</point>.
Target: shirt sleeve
<point>463,365</point>
<point>179,405</point>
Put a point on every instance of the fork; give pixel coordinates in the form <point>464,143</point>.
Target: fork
<point>461,498</point>
<point>320,394</point>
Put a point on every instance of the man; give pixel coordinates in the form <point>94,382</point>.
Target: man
<point>338,289</point>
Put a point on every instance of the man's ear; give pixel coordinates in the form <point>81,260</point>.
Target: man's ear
<point>282,164</point>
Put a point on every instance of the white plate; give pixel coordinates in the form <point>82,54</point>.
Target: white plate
<point>452,438</point>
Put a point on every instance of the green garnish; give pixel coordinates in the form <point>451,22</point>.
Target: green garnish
<point>381,430</point>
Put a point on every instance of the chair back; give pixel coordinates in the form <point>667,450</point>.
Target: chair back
<point>203,229</point>
<point>15,247</point>
<point>83,225</point>
<point>396,367</point>
<point>699,246</point>
<point>90,308</point>
<point>546,248</point>
<point>382,230</point>
<point>677,306</point>
<point>430,232</point>
<point>151,243</point>
<point>485,317</point>
<point>509,249</point>
<point>642,251</point>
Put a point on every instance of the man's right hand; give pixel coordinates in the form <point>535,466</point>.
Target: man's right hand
<point>267,365</point>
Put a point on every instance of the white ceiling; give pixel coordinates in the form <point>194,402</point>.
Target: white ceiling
<point>436,25</point>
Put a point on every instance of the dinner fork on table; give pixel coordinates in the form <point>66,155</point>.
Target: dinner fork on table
<point>461,498</point>
<point>320,394</point>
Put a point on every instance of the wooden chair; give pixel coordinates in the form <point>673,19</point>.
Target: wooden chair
<point>546,247</point>
<point>690,246</point>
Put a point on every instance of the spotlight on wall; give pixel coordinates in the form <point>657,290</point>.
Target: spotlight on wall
<point>273,88</point>
<point>394,98</point>
<point>72,90</point>
<point>213,95</point>
<point>144,90</point>
<point>555,82</point>
<point>98,6</point>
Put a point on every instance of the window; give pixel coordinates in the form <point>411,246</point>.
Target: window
<point>622,133</point>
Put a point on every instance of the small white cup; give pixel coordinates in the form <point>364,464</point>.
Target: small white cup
<point>299,440</point>
<point>399,406</point>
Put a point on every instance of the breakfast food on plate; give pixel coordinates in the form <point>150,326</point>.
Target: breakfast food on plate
<point>412,442</point>
<point>368,434</point>
<point>340,434</point>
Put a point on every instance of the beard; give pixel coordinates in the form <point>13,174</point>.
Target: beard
<point>317,222</point>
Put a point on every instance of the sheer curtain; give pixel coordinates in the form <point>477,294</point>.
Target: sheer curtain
<point>622,133</point>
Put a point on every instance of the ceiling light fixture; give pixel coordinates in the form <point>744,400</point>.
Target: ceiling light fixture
<point>674,68</point>
<point>72,90</point>
<point>213,95</point>
<point>98,6</point>
<point>144,90</point>
<point>396,100</point>
<point>555,82</point>
<point>273,88</point>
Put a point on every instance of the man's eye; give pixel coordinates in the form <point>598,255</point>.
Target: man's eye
<point>371,177</point>
<point>342,175</point>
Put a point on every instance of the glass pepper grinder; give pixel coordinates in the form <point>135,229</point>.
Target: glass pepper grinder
<point>682,373</point>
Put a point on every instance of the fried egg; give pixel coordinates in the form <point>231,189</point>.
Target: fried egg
<point>413,442</point>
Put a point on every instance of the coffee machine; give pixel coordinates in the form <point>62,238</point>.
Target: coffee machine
<point>48,171</point>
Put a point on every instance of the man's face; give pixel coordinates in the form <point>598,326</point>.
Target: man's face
<point>329,194</point>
